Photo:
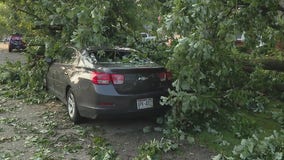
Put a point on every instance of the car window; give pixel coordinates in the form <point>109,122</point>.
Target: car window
<point>92,57</point>
<point>117,56</point>
<point>143,35</point>
<point>110,55</point>
<point>16,38</point>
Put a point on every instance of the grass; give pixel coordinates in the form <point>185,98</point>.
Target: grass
<point>261,124</point>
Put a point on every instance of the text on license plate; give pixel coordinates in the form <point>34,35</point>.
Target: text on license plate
<point>145,103</point>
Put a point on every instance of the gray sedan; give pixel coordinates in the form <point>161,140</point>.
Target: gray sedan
<point>107,81</point>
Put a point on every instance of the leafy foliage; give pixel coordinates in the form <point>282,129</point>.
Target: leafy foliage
<point>153,149</point>
<point>268,83</point>
<point>101,150</point>
<point>10,22</point>
<point>242,127</point>
<point>3,20</point>
<point>207,63</point>
<point>216,78</point>
<point>15,77</point>
<point>51,26</point>
<point>255,148</point>
<point>278,116</point>
<point>211,78</point>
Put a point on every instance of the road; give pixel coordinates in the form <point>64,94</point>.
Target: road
<point>44,131</point>
<point>5,55</point>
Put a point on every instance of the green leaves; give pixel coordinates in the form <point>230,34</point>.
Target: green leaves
<point>154,148</point>
<point>24,82</point>
<point>207,62</point>
<point>254,148</point>
<point>101,150</point>
<point>64,23</point>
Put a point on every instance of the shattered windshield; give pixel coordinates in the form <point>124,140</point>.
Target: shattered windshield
<point>117,56</point>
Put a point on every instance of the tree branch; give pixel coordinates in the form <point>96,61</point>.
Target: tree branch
<point>29,13</point>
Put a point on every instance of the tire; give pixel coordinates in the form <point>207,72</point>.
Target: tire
<point>72,107</point>
<point>45,86</point>
<point>10,49</point>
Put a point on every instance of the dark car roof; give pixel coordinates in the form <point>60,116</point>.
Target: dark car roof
<point>120,49</point>
<point>16,37</point>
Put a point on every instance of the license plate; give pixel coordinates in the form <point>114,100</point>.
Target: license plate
<point>145,103</point>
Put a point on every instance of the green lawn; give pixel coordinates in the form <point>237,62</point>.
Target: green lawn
<point>241,125</point>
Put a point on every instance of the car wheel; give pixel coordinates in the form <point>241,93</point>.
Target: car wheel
<point>10,49</point>
<point>45,86</point>
<point>72,107</point>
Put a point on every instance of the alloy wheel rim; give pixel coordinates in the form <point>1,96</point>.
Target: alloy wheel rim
<point>71,105</point>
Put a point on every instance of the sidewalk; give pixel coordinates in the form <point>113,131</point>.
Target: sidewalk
<point>3,45</point>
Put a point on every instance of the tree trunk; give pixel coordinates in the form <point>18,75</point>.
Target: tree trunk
<point>273,64</point>
<point>266,64</point>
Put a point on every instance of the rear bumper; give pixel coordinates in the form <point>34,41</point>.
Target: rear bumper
<point>13,46</point>
<point>109,102</point>
<point>110,112</point>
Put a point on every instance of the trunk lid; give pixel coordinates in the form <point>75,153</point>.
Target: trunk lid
<point>138,78</point>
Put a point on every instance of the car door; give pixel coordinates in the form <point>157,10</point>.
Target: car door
<point>60,79</point>
<point>50,79</point>
<point>59,75</point>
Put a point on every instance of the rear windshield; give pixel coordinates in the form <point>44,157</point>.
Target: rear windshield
<point>16,38</point>
<point>111,56</point>
<point>117,56</point>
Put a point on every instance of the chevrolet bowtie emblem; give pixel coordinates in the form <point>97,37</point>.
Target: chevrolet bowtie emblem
<point>142,78</point>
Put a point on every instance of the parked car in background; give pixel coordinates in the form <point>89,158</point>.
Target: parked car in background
<point>240,39</point>
<point>108,82</point>
<point>16,42</point>
<point>147,37</point>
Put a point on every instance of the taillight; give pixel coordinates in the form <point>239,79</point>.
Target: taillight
<point>100,78</point>
<point>107,78</point>
<point>117,78</point>
<point>165,76</point>
<point>169,76</point>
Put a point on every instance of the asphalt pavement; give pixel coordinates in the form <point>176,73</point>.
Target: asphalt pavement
<point>10,56</point>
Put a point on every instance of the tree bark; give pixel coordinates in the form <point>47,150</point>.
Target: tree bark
<point>273,64</point>
<point>266,64</point>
